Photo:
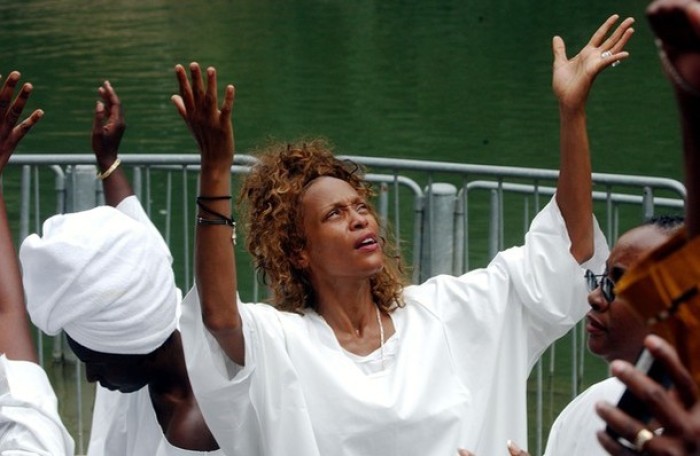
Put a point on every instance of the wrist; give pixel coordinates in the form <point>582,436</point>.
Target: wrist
<point>572,112</point>
<point>109,170</point>
<point>105,162</point>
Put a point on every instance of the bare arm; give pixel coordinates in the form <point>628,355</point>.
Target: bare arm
<point>571,81</point>
<point>215,269</point>
<point>107,130</point>
<point>676,24</point>
<point>15,337</point>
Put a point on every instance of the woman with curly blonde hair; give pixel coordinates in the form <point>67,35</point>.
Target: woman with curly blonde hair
<point>348,361</point>
<point>277,184</point>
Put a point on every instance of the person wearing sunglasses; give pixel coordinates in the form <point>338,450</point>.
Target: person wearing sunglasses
<point>615,331</point>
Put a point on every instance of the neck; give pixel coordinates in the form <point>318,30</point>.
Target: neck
<point>348,310</point>
<point>170,372</point>
<point>173,400</point>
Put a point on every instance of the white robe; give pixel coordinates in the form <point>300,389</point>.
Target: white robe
<point>465,348</point>
<point>29,420</point>
<point>126,424</point>
<point>574,431</point>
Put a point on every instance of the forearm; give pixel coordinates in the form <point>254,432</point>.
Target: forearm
<point>15,338</point>
<point>574,186</point>
<point>689,106</point>
<point>215,268</point>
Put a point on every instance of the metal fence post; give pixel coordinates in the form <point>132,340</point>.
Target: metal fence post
<point>83,188</point>
<point>438,231</point>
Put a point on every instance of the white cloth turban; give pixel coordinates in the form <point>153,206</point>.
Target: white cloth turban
<point>104,278</point>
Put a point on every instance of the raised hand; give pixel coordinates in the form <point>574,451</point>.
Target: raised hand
<point>210,124</point>
<point>108,126</point>
<point>572,78</point>
<point>676,24</point>
<point>11,133</point>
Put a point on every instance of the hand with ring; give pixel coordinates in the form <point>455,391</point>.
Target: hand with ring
<point>572,78</point>
<point>676,413</point>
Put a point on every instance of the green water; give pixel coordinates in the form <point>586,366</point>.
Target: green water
<point>449,80</point>
<point>465,81</point>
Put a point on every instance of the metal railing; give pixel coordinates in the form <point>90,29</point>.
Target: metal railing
<point>453,217</point>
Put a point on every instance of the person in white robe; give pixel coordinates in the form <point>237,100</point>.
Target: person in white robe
<point>348,361</point>
<point>665,284</point>
<point>29,420</point>
<point>104,276</point>
<point>615,331</point>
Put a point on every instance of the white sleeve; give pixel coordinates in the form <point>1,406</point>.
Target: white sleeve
<point>29,420</point>
<point>537,289</point>
<point>548,280</point>
<point>259,408</point>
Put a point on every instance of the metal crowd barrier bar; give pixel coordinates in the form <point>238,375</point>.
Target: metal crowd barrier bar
<point>426,202</point>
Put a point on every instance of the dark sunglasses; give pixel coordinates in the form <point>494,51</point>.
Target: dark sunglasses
<point>607,286</point>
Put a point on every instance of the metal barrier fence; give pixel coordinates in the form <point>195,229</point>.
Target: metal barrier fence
<point>444,217</point>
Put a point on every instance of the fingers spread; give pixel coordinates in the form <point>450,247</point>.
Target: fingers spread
<point>186,97</point>
<point>599,35</point>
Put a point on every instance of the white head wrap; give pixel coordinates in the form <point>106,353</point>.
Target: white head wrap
<point>104,278</point>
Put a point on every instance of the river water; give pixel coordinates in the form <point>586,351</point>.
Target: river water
<point>452,80</point>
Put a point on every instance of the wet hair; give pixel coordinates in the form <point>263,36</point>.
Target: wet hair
<point>668,224</point>
<point>271,198</point>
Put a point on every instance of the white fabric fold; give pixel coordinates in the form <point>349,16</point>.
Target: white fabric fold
<point>104,277</point>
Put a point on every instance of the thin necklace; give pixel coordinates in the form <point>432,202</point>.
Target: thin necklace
<point>381,335</point>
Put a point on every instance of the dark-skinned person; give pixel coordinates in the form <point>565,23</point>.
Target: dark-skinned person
<point>29,420</point>
<point>104,276</point>
<point>348,360</point>
<point>615,331</point>
<point>664,286</point>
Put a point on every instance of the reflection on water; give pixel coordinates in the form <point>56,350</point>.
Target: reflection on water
<point>452,80</point>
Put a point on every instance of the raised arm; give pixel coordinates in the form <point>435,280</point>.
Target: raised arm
<point>676,24</point>
<point>15,337</point>
<point>107,130</point>
<point>215,270</point>
<point>571,82</point>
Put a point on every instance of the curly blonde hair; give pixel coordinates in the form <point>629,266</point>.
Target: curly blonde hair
<point>271,200</point>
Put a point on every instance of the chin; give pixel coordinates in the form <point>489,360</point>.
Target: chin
<point>597,349</point>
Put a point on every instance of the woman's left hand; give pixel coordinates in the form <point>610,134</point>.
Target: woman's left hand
<point>572,78</point>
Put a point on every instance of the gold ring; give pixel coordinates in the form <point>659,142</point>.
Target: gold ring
<point>643,436</point>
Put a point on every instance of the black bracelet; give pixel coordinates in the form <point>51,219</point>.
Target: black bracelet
<point>206,221</point>
<point>224,220</point>
<point>213,198</point>
<point>220,221</point>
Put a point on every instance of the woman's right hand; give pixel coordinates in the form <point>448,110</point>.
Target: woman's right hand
<point>676,24</point>
<point>677,411</point>
<point>210,125</point>
<point>12,133</point>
